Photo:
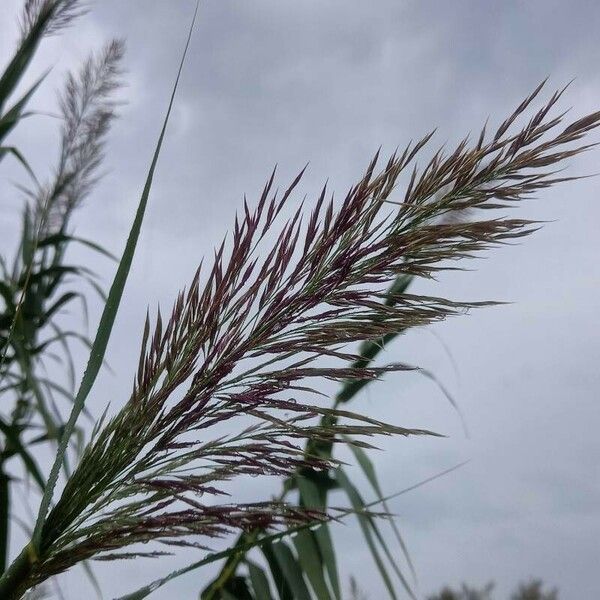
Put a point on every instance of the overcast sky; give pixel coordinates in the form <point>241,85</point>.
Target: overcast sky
<point>329,81</point>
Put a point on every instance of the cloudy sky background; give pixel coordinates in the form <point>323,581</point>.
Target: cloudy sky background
<point>272,81</point>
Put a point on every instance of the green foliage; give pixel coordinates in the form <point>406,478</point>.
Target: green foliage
<point>39,284</point>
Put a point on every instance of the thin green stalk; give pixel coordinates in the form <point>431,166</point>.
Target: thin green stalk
<point>4,517</point>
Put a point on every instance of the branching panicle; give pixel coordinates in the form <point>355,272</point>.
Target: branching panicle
<point>242,348</point>
<point>88,110</point>
<point>54,14</point>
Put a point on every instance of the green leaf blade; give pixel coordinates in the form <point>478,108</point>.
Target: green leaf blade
<point>291,571</point>
<point>259,581</point>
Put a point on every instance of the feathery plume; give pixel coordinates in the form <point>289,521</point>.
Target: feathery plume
<point>244,347</point>
<point>52,15</point>
<point>88,110</point>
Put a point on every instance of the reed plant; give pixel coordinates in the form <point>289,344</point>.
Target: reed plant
<point>228,383</point>
<point>39,282</point>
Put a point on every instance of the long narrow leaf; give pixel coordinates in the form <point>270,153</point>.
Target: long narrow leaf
<point>309,558</point>
<point>281,585</point>
<point>4,150</point>
<point>309,494</point>
<point>9,120</point>
<point>359,507</point>
<point>18,65</point>
<point>17,447</point>
<point>4,517</point>
<point>260,582</point>
<point>60,238</point>
<point>291,571</point>
<point>369,470</point>
<point>370,521</point>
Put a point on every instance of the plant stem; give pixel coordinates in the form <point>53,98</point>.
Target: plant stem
<point>4,511</point>
<point>12,582</point>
